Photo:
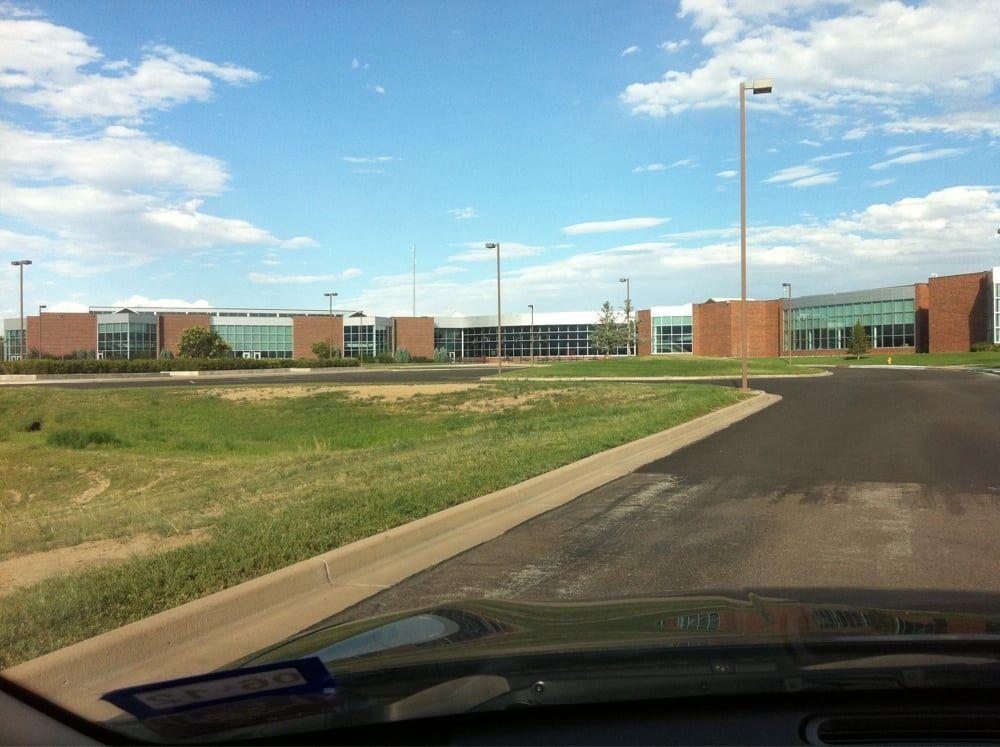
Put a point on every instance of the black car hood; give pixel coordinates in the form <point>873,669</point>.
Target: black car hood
<point>487,628</point>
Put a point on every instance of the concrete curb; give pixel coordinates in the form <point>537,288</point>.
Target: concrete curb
<point>641,379</point>
<point>210,632</point>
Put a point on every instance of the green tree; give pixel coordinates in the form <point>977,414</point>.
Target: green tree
<point>198,342</point>
<point>402,355</point>
<point>322,350</point>
<point>859,344</point>
<point>609,334</point>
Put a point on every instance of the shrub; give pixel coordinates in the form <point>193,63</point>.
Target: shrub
<point>323,351</point>
<point>72,438</point>
<point>441,355</point>
<point>198,342</point>
<point>152,365</point>
<point>166,355</point>
<point>420,359</point>
<point>384,357</point>
<point>985,347</point>
<point>402,355</point>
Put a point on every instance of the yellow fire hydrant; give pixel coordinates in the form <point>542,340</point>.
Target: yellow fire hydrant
<point>890,360</point>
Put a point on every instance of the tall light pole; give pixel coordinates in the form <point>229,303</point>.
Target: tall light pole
<point>628,314</point>
<point>531,342</point>
<point>40,307</point>
<point>413,249</point>
<point>789,324</point>
<point>20,264</point>
<point>331,296</point>
<point>496,245</point>
<point>758,86</point>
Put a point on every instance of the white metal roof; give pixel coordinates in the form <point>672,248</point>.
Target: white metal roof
<point>683,310</point>
<point>517,320</point>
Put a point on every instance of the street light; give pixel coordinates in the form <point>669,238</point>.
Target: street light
<point>758,86</point>
<point>20,264</point>
<point>628,314</point>
<point>331,296</point>
<point>40,307</point>
<point>531,342</point>
<point>496,245</point>
<point>789,323</point>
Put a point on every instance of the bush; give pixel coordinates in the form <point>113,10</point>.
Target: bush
<point>985,347</point>
<point>198,342</point>
<point>151,365</point>
<point>166,355</point>
<point>420,359</point>
<point>323,350</point>
<point>383,357</point>
<point>441,355</point>
<point>77,439</point>
<point>402,355</point>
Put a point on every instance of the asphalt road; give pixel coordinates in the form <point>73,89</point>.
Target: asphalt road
<point>862,487</point>
<point>414,375</point>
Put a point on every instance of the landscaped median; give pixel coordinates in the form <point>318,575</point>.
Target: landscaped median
<point>241,480</point>
<point>660,366</point>
<point>982,359</point>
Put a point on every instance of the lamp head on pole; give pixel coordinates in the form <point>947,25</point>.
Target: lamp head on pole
<point>786,285</point>
<point>21,262</point>
<point>764,85</point>
<point>493,245</point>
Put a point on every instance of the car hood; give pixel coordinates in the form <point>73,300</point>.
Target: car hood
<point>488,628</point>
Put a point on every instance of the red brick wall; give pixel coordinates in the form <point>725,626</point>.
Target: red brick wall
<point>711,329</point>
<point>416,334</point>
<point>716,329</point>
<point>644,331</point>
<point>172,326</point>
<point>958,313</point>
<point>921,307</point>
<point>62,334</point>
<point>309,329</point>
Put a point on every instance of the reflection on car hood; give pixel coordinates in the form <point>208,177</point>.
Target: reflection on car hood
<point>487,628</point>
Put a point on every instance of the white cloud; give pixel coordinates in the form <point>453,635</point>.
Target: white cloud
<point>67,307</point>
<point>917,157</point>
<point>625,224</point>
<point>881,182</point>
<point>831,156</point>
<point>269,278</point>
<point>856,133</point>
<point>884,56</point>
<point>904,148</point>
<point>674,46</point>
<point>368,159</point>
<point>477,252</point>
<point>803,176</point>
<point>378,88</point>
<point>368,171</point>
<point>630,50</point>
<point>137,300</point>
<point>982,122</point>
<point>654,167</point>
<point>728,174</point>
<point>463,213</point>
<point>811,143</point>
<point>49,67</point>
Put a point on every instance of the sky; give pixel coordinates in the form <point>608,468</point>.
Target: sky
<point>261,153</point>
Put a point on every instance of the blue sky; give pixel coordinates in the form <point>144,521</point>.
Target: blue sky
<point>263,153</point>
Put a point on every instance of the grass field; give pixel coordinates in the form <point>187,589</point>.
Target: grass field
<point>241,480</point>
<point>660,365</point>
<point>988,360</point>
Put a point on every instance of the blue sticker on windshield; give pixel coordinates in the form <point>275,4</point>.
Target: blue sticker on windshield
<point>217,700</point>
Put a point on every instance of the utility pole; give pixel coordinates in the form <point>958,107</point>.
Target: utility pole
<point>20,264</point>
<point>758,86</point>
<point>496,245</point>
<point>40,307</point>
<point>331,297</point>
<point>413,250</point>
<point>532,340</point>
<point>628,314</point>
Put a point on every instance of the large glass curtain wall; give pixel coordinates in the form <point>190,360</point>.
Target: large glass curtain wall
<point>672,334</point>
<point>551,341</point>
<point>257,340</point>
<point>126,340</point>
<point>12,345</point>
<point>889,324</point>
<point>996,312</point>
<point>367,339</point>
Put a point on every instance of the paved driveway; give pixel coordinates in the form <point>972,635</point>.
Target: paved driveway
<point>852,485</point>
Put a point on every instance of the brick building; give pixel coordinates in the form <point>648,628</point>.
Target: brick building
<point>944,314</point>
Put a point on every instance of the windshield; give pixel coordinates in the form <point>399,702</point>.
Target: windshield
<point>365,361</point>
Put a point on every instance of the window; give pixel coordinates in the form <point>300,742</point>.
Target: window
<point>889,324</point>
<point>126,339</point>
<point>672,334</point>
<point>263,340</point>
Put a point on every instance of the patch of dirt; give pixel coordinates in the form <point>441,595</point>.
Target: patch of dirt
<point>98,484</point>
<point>526,399</point>
<point>156,480</point>
<point>384,392</point>
<point>29,569</point>
<point>15,497</point>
